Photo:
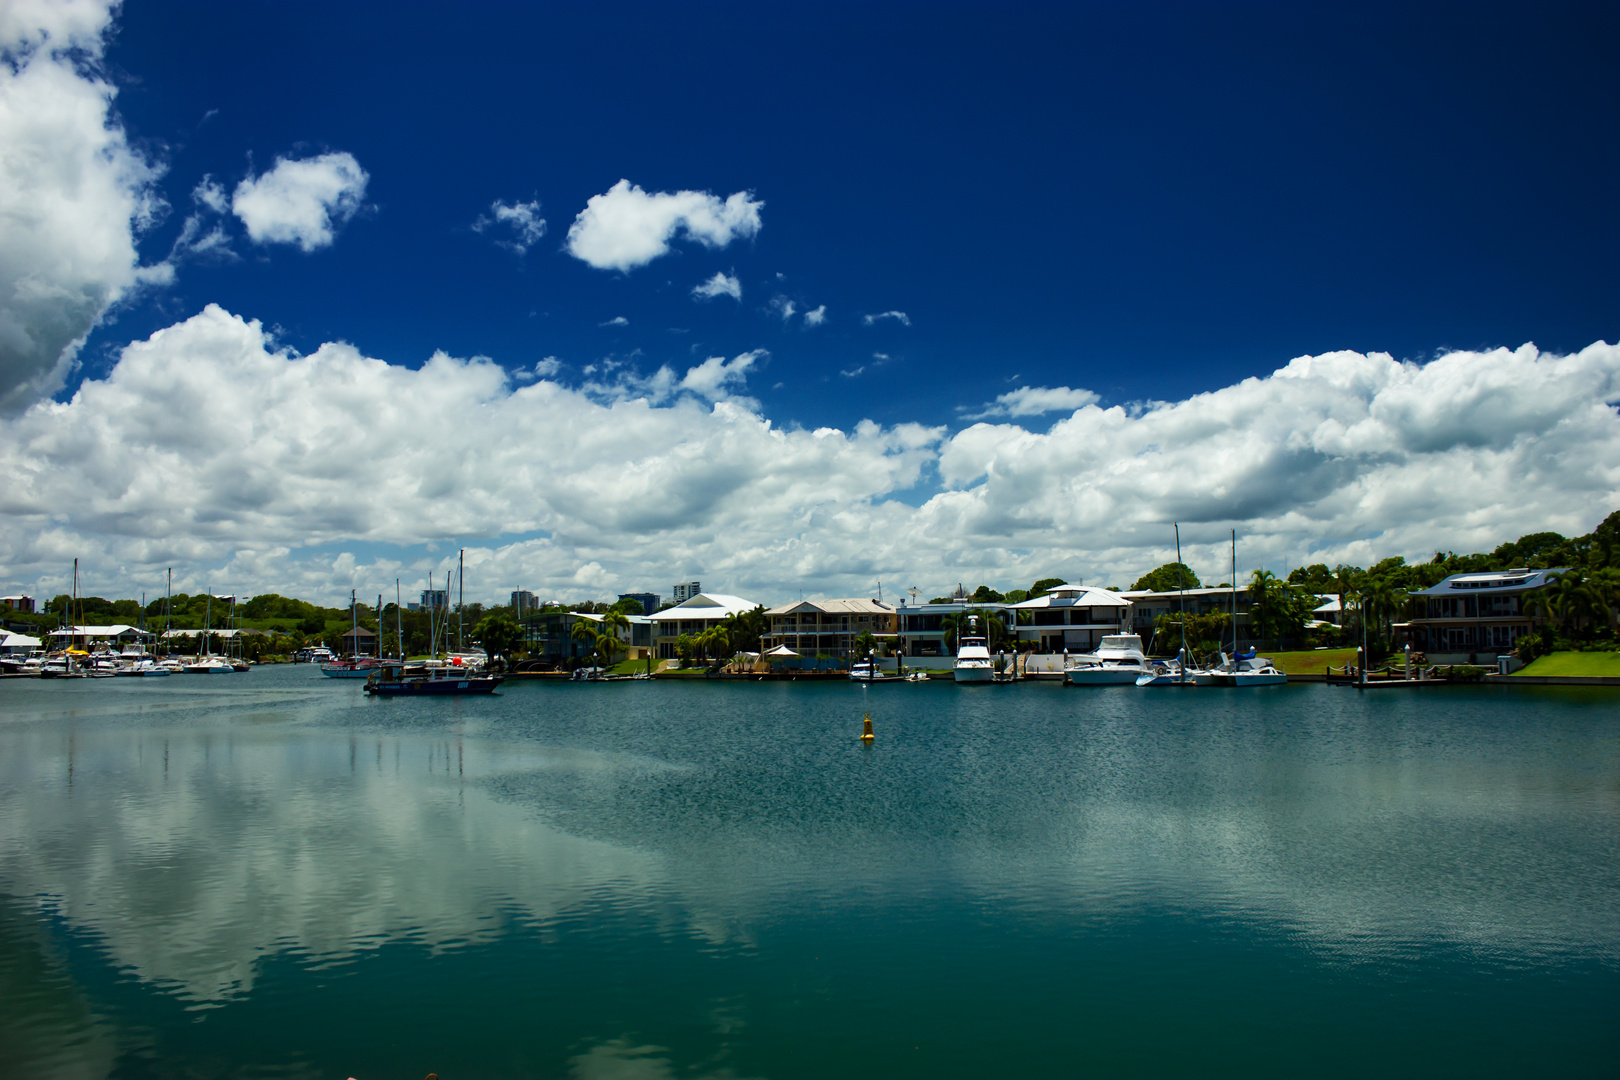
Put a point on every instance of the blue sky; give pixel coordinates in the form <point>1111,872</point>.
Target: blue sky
<point>1078,206</point>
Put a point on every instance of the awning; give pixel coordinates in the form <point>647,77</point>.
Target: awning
<point>781,650</point>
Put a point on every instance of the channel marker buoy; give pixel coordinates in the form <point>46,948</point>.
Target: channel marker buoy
<point>866,735</point>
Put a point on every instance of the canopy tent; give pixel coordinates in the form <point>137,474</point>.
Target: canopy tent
<point>781,650</point>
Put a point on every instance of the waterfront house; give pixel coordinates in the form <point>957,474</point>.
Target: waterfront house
<point>23,605</point>
<point>694,615</point>
<point>1469,615</point>
<point>549,635</point>
<point>18,645</point>
<point>1070,617</point>
<point>920,628</point>
<point>829,627</point>
<point>1147,606</point>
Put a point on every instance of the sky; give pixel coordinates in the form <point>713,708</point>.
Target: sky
<point>795,302</point>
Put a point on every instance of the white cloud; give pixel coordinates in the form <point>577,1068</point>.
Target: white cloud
<point>850,373</point>
<point>73,194</point>
<point>1037,401</point>
<point>783,307</point>
<point>898,316</point>
<point>626,227</point>
<point>523,218</point>
<point>274,474</point>
<point>617,320</point>
<point>716,377</point>
<point>301,201</point>
<point>815,317</point>
<point>721,284</point>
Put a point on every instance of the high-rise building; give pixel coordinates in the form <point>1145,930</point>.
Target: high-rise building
<point>686,590</point>
<point>435,598</point>
<point>650,601</point>
<point>524,600</point>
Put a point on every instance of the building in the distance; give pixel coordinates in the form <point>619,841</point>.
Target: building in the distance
<point>829,627</point>
<point>23,605</point>
<point>435,598</point>
<point>649,601</point>
<point>693,616</point>
<point>685,591</point>
<point>523,600</point>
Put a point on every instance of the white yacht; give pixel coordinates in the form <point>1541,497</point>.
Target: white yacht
<point>1248,670</point>
<point>1162,673</point>
<point>973,663</point>
<point>1117,661</point>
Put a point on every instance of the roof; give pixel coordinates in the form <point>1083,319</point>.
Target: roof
<point>18,641</point>
<point>1329,607</point>
<point>1074,596</point>
<point>359,632</point>
<point>1203,590</point>
<point>114,630</point>
<point>704,606</point>
<point>1496,581</point>
<point>860,606</point>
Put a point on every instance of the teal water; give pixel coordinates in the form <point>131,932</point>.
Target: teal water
<point>268,875</point>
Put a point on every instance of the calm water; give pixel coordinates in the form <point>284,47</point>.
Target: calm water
<point>268,875</point>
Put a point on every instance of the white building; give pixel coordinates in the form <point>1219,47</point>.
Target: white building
<point>686,590</point>
<point>694,615</point>
<point>1071,617</point>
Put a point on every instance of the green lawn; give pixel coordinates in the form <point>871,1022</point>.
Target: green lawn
<point>1314,662</point>
<point>1574,663</point>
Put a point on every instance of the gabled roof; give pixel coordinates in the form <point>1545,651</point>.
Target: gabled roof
<point>704,606</point>
<point>96,631</point>
<point>1073,596</point>
<point>860,606</point>
<point>1495,581</point>
<point>18,641</point>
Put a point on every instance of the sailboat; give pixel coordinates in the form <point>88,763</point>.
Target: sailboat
<point>1171,672</point>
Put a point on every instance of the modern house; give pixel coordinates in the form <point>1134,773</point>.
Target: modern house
<point>1070,617</point>
<point>920,628</point>
<point>1471,614</point>
<point>1212,600</point>
<point>830,627</point>
<point>696,614</point>
<point>549,635</point>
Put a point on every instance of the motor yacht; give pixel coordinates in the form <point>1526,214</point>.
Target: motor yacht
<point>973,663</point>
<point>1117,661</point>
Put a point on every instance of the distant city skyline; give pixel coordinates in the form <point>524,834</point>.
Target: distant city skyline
<point>979,295</point>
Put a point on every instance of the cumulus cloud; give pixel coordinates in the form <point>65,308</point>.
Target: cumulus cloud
<point>815,317</point>
<point>626,227</point>
<point>522,219</point>
<point>301,201</point>
<point>898,316</point>
<point>274,475</point>
<point>721,284</point>
<point>73,195</point>
<point>783,307</point>
<point>1037,401</point>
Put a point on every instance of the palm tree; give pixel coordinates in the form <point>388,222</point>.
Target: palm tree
<point>990,624</point>
<point>584,631</point>
<point>607,644</point>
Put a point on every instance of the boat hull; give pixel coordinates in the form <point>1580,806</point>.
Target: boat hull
<point>1103,677</point>
<point>433,687</point>
<point>975,675</point>
<point>1245,678</point>
<point>347,672</point>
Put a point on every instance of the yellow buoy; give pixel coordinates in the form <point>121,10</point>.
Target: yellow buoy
<point>867,736</point>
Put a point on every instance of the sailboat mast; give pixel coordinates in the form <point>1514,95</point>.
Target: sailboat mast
<point>1181,589</point>
<point>461,598</point>
<point>399,622</point>
<point>1234,593</point>
<point>379,626</point>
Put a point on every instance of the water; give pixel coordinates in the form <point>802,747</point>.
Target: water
<point>269,875</point>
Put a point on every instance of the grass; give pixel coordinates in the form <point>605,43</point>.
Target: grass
<point>630,667</point>
<point>1313,662</point>
<point>1574,663</point>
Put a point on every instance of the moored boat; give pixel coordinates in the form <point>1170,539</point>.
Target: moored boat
<point>973,663</point>
<point>390,680</point>
<point>1117,661</point>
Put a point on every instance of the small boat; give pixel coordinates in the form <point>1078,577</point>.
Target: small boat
<point>1117,661</point>
<point>1251,671</point>
<point>351,667</point>
<point>1163,673</point>
<point>973,663</point>
<point>209,665</point>
<point>393,681</point>
<point>868,671</point>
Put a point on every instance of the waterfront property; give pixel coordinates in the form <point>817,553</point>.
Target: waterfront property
<point>115,636</point>
<point>921,629</point>
<point>1072,618</point>
<point>550,636</point>
<point>1147,605</point>
<point>1469,615</point>
<point>815,627</point>
<point>693,616</point>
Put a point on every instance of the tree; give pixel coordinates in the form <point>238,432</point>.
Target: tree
<point>630,606</point>
<point>500,635</point>
<point>984,594</point>
<point>1044,586</point>
<point>989,624</point>
<point>1168,578</point>
<point>865,644</point>
<point>607,646</point>
<point>746,628</point>
<point>1276,609</point>
<point>1316,577</point>
<point>584,631</point>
